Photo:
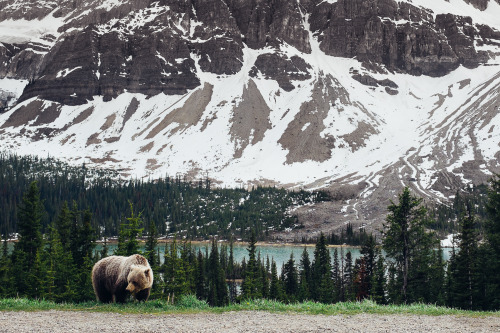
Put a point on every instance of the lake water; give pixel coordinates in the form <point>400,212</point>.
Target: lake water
<point>280,253</point>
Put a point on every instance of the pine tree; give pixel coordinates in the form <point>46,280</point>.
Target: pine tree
<point>349,293</point>
<point>200,281</point>
<point>337,278</point>
<point>290,279</point>
<point>153,259</point>
<point>491,249</point>
<point>63,226</point>
<point>29,224</point>
<point>217,287</point>
<point>5,277</point>
<point>322,283</point>
<point>128,243</point>
<point>251,287</point>
<point>360,280</point>
<point>60,283</point>
<point>403,235</point>
<point>464,276</point>
<point>378,284</point>
<point>26,260</point>
<point>231,272</point>
<point>368,251</point>
<point>305,276</point>
<point>275,290</point>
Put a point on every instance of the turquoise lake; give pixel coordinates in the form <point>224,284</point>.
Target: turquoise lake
<point>280,253</point>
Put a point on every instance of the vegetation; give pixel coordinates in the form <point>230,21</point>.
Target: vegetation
<point>190,304</point>
<point>175,205</point>
<point>55,264</point>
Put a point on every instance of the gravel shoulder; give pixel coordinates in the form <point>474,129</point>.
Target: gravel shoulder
<point>245,321</point>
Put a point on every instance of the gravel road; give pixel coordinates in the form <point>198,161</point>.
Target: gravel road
<point>73,321</point>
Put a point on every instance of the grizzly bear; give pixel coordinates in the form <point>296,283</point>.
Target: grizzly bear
<point>116,277</point>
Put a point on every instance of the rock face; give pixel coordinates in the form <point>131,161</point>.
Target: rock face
<point>282,69</point>
<point>151,47</point>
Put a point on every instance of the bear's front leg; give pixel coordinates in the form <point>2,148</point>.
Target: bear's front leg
<point>121,294</point>
<point>143,295</point>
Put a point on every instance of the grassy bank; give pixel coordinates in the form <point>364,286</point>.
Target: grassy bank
<point>190,304</point>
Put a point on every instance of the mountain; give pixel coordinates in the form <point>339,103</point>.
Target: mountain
<point>356,97</point>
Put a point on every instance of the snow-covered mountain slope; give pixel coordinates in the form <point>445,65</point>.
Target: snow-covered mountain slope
<point>358,97</point>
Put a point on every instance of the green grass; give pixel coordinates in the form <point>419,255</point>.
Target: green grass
<point>189,304</point>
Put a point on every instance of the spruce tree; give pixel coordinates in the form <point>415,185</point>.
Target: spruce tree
<point>251,287</point>
<point>305,276</point>
<point>337,278</point>
<point>368,251</point>
<point>378,285</point>
<point>491,249</point>
<point>60,278</point>
<point>128,243</point>
<point>231,272</point>
<point>360,280</point>
<point>348,279</point>
<point>27,267</point>
<point>322,282</point>
<point>275,290</point>
<point>153,259</point>
<point>217,287</point>
<point>5,276</point>
<point>63,226</point>
<point>464,276</point>
<point>403,232</point>
<point>290,279</point>
<point>200,281</point>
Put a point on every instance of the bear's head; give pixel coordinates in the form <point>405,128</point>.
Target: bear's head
<point>139,278</point>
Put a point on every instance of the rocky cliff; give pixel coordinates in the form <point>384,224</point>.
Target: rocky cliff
<point>356,96</point>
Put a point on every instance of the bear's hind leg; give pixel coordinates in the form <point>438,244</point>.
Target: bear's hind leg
<point>103,294</point>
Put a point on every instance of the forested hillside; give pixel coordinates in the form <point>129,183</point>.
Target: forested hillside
<point>194,209</point>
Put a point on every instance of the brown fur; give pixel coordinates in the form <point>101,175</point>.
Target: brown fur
<point>114,278</point>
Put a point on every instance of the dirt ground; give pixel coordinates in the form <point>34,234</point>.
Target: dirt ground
<point>73,321</point>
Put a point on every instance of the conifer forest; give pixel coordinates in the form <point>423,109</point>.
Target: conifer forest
<point>59,212</point>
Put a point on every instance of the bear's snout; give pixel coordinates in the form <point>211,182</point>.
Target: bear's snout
<point>130,287</point>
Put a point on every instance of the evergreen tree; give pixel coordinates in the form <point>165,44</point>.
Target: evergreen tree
<point>231,272</point>
<point>491,249</point>
<point>378,284</point>
<point>104,250</point>
<point>217,287</point>
<point>290,279</point>
<point>464,275</point>
<point>5,277</point>
<point>29,224</point>
<point>368,251</point>
<point>200,283</point>
<point>275,290</point>
<point>153,259</point>
<point>349,293</point>
<point>128,243</point>
<point>360,280</point>
<point>337,278</point>
<point>264,279</point>
<point>305,276</point>
<point>63,226</point>
<point>60,284</point>
<point>321,282</point>
<point>251,286</point>
<point>404,236</point>
<point>26,259</point>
